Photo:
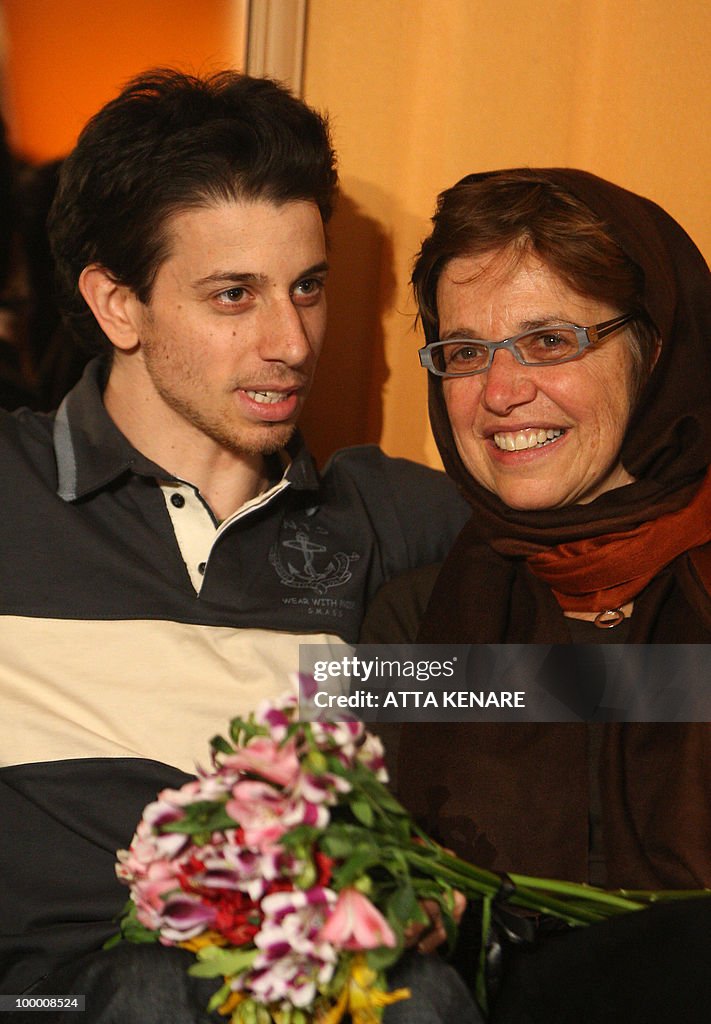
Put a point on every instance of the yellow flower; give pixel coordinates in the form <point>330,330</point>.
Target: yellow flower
<point>231,1003</point>
<point>200,941</point>
<point>361,998</point>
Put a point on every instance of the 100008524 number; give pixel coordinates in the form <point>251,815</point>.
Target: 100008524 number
<point>29,1002</point>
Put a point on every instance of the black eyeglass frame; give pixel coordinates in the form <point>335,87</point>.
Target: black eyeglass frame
<point>586,336</point>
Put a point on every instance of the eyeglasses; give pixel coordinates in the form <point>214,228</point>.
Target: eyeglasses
<point>546,346</point>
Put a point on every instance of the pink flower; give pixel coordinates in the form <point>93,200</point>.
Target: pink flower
<point>234,867</point>
<point>277,715</point>
<point>184,917</point>
<point>301,812</point>
<point>150,892</point>
<point>150,853</point>
<point>259,809</point>
<point>341,738</point>
<point>262,756</point>
<point>356,924</point>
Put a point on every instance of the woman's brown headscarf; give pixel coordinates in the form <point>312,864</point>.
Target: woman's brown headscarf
<point>486,591</point>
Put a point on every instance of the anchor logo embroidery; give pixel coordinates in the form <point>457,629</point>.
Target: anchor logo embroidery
<point>310,574</point>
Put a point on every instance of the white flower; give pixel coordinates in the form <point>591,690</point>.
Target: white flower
<point>293,959</point>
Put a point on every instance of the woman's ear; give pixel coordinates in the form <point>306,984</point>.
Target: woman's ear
<point>117,310</point>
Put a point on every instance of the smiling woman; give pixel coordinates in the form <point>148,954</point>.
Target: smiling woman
<point>587,475</point>
<point>581,407</point>
<point>591,518</point>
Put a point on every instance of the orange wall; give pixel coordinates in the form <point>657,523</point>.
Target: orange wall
<point>422,92</point>
<point>67,57</point>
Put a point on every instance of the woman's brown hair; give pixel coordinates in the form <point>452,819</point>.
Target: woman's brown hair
<point>522,213</point>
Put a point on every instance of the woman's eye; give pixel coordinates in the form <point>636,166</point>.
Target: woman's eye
<point>548,345</point>
<point>460,355</point>
<point>550,340</point>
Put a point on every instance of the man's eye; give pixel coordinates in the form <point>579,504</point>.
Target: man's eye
<point>309,290</point>
<point>232,295</point>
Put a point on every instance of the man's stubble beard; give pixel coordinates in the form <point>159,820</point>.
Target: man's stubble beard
<point>259,440</point>
<point>264,439</point>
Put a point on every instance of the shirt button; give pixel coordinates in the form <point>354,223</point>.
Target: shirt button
<point>201,568</point>
<point>177,500</point>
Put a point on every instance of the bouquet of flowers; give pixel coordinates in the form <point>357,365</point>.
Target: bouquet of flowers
<point>292,873</point>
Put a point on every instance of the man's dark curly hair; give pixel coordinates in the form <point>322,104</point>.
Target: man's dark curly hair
<point>171,142</point>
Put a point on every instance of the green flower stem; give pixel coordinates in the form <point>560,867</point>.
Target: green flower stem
<point>659,896</point>
<point>582,904</point>
<point>474,882</point>
<point>590,904</point>
<point>584,892</point>
<point>482,996</point>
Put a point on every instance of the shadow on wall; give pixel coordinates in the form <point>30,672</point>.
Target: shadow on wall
<point>345,406</point>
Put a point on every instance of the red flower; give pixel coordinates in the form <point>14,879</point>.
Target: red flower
<point>279,885</point>
<point>324,866</point>
<point>238,923</point>
<point>237,917</point>
<point>187,871</point>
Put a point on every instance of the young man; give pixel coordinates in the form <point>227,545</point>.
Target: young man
<point>167,539</point>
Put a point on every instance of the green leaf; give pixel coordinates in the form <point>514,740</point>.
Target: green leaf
<point>451,929</point>
<point>131,929</point>
<point>336,845</point>
<point>307,876</point>
<point>388,802</point>
<point>243,730</point>
<point>316,761</point>
<point>428,890</point>
<point>383,957</point>
<point>220,745</point>
<point>219,997</point>
<point>396,862</point>
<point>215,961</point>
<point>205,816</point>
<point>359,861</point>
<point>403,905</point>
<point>247,1012</point>
<point>300,838</point>
<point>207,970</point>
<point>139,934</point>
<point>363,811</point>
<point>336,766</point>
<point>239,731</point>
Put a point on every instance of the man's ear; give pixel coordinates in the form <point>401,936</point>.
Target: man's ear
<point>115,306</point>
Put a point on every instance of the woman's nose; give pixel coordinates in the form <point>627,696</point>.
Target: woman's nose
<point>507,384</point>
